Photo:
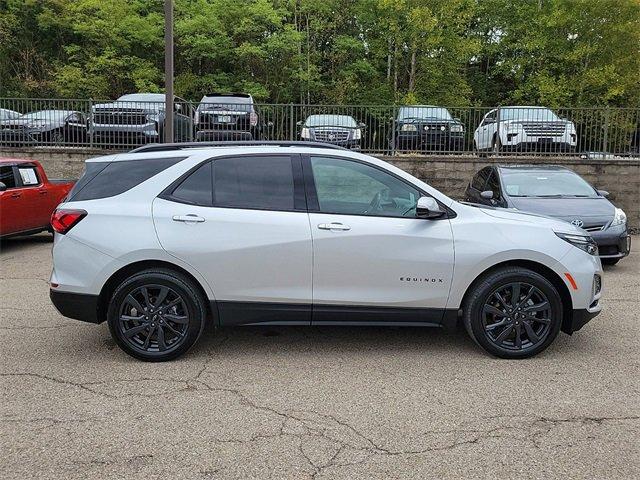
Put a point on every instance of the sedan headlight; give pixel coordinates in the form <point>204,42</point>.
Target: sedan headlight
<point>305,133</point>
<point>457,128</point>
<point>409,127</point>
<point>357,134</point>
<point>619,218</point>
<point>583,242</point>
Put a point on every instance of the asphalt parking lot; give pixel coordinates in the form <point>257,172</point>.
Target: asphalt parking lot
<point>312,402</point>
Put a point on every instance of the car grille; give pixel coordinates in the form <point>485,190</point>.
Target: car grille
<point>120,118</point>
<point>544,129</point>
<point>594,228</point>
<point>331,135</point>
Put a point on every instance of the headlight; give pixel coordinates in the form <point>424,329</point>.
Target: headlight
<point>305,133</point>
<point>457,128</point>
<point>619,218</point>
<point>357,134</point>
<point>409,127</point>
<point>583,242</point>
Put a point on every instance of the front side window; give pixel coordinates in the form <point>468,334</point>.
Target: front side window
<point>353,188</point>
<point>7,177</point>
<point>260,182</point>
<point>29,176</point>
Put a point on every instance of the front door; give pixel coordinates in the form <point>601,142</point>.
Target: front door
<point>242,223</point>
<point>374,261</point>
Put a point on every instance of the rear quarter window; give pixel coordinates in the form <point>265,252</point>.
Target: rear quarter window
<point>102,180</point>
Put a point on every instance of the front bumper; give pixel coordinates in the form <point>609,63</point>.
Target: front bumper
<point>613,242</point>
<point>579,319</point>
<point>79,306</point>
<point>424,141</point>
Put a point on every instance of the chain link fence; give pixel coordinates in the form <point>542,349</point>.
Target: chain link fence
<point>384,129</point>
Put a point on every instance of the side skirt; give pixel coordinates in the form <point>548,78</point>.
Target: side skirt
<point>231,313</point>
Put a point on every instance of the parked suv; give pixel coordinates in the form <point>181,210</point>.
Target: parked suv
<point>233,116</point>
<point>139,118</point>
<point>162,240</point>
<point>342,130</point>
<point>524,129</point>
<point>424,127</point>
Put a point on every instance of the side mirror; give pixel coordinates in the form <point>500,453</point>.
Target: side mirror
<point>603,193</point>
<point>3,187</point>
<point>457,119</point>
<point>487,195</point>
<point>427,207</point>
<point>270,124</point>
<point>178,108</point>
<point>362,125</point>
<point>299,123</point>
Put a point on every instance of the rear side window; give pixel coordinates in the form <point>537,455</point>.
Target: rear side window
<point>102,180</point>
<point>264,183</point>
<point>7,177</point>
<point>197,188</point>
<point>28,176</point>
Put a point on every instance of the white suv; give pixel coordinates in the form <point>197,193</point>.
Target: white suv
<point>161,240</point>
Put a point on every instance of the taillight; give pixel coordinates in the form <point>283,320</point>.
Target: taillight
<point>63,220</point>
<point>253,118</point>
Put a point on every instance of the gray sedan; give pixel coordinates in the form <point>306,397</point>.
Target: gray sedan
<point>555,192</point>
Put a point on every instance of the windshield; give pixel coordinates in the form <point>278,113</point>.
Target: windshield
<point>424,113</point>
<point>49,115</point>
<point>545,183</point>
<point>524,113</point>
<point>8,114</point>
<point>240,104</point>
<point>330,121</point>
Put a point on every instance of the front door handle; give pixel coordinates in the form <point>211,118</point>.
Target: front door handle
<point>334,226</point>
<point>190,218</point>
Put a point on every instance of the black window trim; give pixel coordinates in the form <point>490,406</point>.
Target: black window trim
<point>299,194</point>
<point>312,196</point>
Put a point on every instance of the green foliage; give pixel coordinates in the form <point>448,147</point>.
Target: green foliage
<point>449,52</point>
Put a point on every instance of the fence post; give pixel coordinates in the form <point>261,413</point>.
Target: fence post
<point>605,138</point>
<point>291,123</point>
<point>393,130</point>
<point>91,129</point>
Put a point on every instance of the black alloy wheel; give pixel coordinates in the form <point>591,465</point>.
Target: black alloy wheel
<point>156,315</point>
<point>517,316</point>
<point>513,312</point>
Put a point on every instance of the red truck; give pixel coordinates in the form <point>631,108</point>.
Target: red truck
<point>27,197</point>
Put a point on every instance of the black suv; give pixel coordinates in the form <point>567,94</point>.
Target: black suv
<point>426,127</point>
<point>228,116</point>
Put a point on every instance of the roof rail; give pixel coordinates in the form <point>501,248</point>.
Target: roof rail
<point>165,147</point>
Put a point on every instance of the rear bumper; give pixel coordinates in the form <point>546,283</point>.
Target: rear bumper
<point>79,306</point>
<point>223,135</point>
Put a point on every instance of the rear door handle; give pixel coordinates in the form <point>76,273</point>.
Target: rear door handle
<point>16,195</point>
<point>190,218</point>
<point>334,226</point>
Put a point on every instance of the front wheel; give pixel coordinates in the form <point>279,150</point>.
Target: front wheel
<point>156,315</point>
<point>513,312</point>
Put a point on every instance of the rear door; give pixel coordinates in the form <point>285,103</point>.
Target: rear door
<point>34,198</point>
<point>374,261</point>
<point>241,221</point>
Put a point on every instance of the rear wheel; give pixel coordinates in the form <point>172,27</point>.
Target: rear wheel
<point>513,312</point>
<point>156,315</point>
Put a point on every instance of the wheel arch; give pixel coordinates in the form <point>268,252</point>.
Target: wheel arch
<point>546,272</point>
<point>120,275</point>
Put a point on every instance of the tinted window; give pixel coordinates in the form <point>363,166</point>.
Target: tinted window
<point>354,188</point>
<point>6,176</point>
<point>480,180</point>
<point>197,188</point>
<point>115,178</point>
<point>254,182</point>
<point>494,183</point>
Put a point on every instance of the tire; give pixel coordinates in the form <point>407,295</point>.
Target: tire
<point>537,329</point>
<point>177,321</point>
<point>609,261</point>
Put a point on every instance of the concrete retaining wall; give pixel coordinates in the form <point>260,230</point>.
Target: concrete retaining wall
<point>450,174</point>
